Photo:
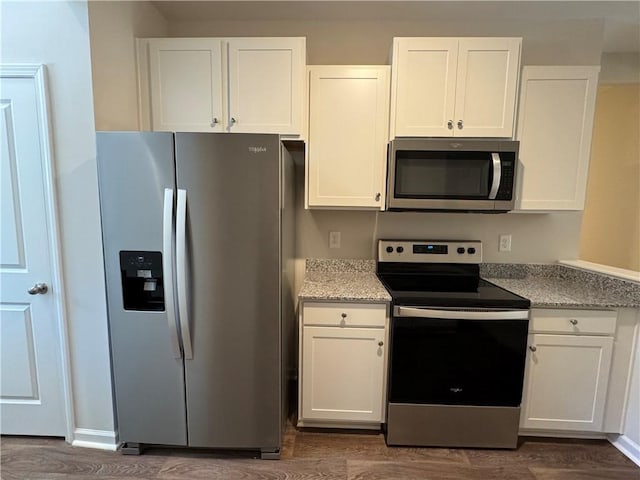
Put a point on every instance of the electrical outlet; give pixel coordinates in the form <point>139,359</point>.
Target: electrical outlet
<point>334,239</point>
<point>505,243</point>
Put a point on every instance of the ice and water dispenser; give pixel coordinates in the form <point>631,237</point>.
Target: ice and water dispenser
<point>142,282</point>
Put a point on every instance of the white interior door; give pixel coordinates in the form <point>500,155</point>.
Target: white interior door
<point>31,383</point>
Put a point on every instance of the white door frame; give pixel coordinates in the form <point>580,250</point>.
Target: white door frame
<point>38,73</point>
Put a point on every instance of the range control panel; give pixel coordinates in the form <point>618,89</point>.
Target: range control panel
<point>430,251</point>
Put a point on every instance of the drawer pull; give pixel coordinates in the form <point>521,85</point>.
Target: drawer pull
<point>381,343</point>
<point>344,315</point>
<point>573,321</point>
<point>533,348</point>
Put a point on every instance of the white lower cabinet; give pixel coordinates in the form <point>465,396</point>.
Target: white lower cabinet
<point>567,370</point>
<point>343,363</point>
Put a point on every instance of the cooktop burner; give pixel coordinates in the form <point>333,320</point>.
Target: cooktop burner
<point>440,274</point>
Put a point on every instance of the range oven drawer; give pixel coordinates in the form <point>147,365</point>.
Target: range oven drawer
<point>456,361</point>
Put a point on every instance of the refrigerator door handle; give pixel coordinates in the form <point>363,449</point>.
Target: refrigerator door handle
<point>181,265</point>
<point>167,270</point>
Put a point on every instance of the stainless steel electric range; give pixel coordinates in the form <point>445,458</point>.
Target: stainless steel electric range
<point>457,347</point>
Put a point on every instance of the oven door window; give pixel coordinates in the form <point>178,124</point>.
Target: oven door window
<point>443,175</point>
<point>457,362</point>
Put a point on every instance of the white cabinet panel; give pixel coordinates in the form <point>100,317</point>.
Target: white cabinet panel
<point>555,124</point>
<point>487,80</point>
<point>424,77</point>
<point>463,87</point>
<point>342,374</point>
<point>266,80</point>
<point>186,84</point>
<point>347,141</point>
<point>238,85</point>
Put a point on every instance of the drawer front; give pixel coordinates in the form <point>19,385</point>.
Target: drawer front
<point>577,322</point>
<point>345,314</point>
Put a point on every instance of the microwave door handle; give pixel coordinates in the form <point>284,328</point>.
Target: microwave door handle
<point>497,173</point>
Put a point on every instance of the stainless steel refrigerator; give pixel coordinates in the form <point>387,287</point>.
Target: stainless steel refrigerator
<point>198,247</point>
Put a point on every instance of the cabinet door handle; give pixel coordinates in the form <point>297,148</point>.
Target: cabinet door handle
<point>532,348</point>
<point>232,121</point>
<point>450,124</point>
<point>573,321</point>
<point>460,125</point>
<point>378,197</point>
<point>214,121</point>
<point>344,315</point>
<point>380,343</point>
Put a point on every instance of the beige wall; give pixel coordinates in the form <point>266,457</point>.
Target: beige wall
<point>333,41</point>
<point>611,224</point>
<point>113,28</point>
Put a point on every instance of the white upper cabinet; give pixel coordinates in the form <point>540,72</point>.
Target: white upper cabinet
<point>444,87</point>
<point>347,140</point>
<point>266,85</point>
<point>238,85</point>
<point>186,84</point>
<point>555,124</point>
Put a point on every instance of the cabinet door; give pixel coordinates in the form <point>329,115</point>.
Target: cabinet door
<point>423,87</point>
<point>347,142</point>
<point>266,85</point>
<point>555,123</point>
<point>186,84</point>
<point>342,374</point>
<point>486,85</point>
<point>566,382</point>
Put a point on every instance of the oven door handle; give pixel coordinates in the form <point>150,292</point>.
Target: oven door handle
<point>461,314</point>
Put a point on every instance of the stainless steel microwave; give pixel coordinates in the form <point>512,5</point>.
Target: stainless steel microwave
<point>473,175</point>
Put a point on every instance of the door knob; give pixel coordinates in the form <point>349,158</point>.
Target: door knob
<point>38,288</point>
<point>380,344</point>
<point>450,124</point>
<point>533,348</point>
<point>460,125</point>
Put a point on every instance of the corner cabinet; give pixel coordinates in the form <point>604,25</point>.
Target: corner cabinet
<point>446,87</point>
<point>555,124</point>
<point>567,370</point>
<point>237,85</point>
<point>347,139</point>
<point>343,357</point>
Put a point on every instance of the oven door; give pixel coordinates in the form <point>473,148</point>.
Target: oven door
<point>457,356</point>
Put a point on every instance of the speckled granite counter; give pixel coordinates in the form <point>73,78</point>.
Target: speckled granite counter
<point>343,280</point>
<point>545,285</point>
<point>562,286</point>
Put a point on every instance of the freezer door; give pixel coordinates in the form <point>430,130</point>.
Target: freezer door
<point>233,383</point>
<point>134,170</point>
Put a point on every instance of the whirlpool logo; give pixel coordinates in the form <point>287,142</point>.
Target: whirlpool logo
<point>257,149</point>
<point>455,389</point>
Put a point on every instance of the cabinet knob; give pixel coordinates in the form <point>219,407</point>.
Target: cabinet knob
<point>232,121</point>
<point>380,343</point>
<point>460,125</point>
<point>344,315</point>
<point>378,197</point>
<point>214,121</point>
<point>573,321</point>
<point>450,124</point>
<point>532,348</point>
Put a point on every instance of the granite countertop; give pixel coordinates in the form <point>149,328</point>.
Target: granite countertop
<point>342,280</point>
<point>563,286</point>
<point>547,286</point>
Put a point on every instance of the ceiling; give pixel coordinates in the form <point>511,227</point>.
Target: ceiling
<point>621,19</point>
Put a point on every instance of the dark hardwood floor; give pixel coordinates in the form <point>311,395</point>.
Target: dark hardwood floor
<point>326,456</point>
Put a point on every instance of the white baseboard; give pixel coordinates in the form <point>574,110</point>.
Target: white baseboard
<point>101,439</point>
<point>627,446</point>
